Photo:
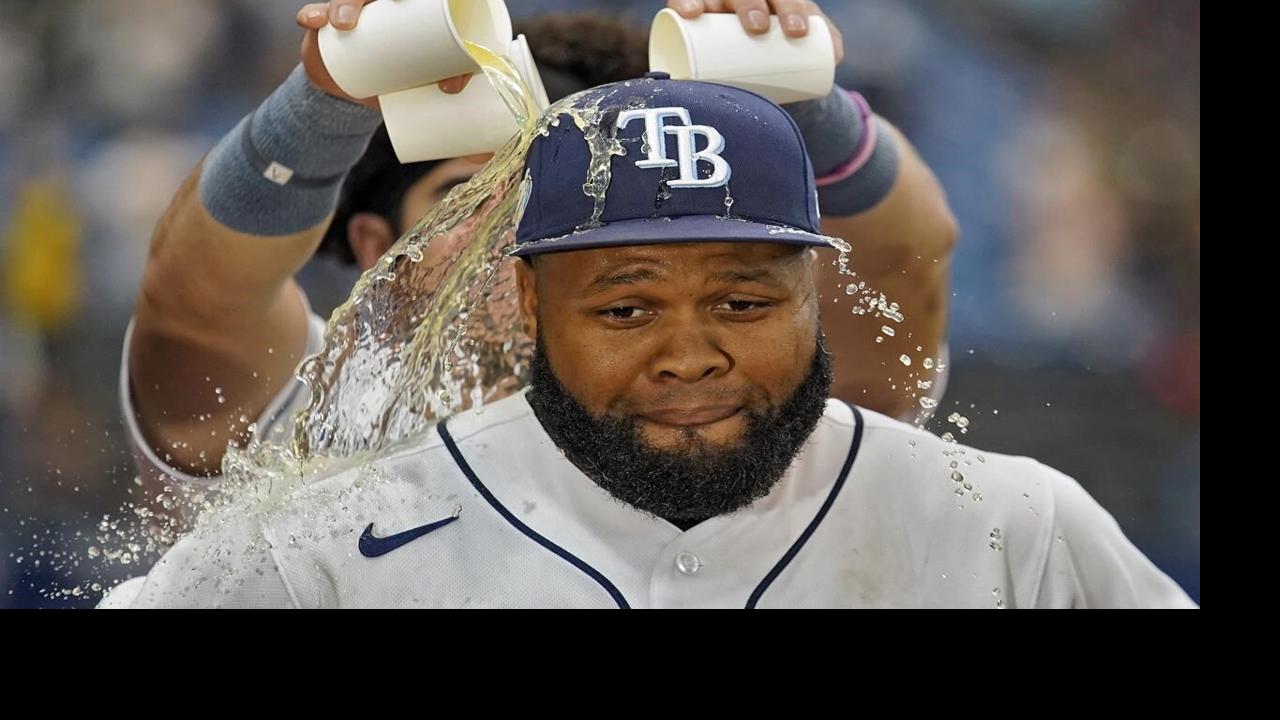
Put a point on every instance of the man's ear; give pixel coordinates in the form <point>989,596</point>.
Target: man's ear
<point>370,236</point>
<point>527,283</point>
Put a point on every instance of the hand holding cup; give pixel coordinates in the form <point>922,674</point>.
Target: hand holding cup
<point>344,15</point>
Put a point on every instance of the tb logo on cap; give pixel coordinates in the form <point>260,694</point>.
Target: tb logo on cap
<point>655,132</point>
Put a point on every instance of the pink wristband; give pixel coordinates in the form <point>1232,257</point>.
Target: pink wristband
<point>866,145</point>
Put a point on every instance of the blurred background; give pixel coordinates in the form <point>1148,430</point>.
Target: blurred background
<point>1066,133</point>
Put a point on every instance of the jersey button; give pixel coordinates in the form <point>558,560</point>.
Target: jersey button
<point>688,563</point>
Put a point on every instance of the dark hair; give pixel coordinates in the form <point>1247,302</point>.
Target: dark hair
<point>573,52</point>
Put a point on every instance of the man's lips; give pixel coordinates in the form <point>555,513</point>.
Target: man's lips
<point>691,417</point>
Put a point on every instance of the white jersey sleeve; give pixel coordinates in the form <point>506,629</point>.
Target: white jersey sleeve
<point>1091,564</point>
<point>275,422</point>
<point>227,565</point>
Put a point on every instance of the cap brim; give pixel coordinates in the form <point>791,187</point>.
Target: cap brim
<point>669,230</point>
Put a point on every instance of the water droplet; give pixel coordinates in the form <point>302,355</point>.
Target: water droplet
<point>999,604</point>
<point>928,363</point>
<point>887,330</point>
<point>928,403</point>
<point>957,477</point>
<point>904,359</point>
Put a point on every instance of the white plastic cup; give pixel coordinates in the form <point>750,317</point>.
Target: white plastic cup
<point>427,123</point>
<point>401,44</point>
<point>715,48</point>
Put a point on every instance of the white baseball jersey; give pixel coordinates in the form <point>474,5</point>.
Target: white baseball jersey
<point>487,512</point>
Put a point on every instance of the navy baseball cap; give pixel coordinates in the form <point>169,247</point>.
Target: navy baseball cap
<point>700,162</point>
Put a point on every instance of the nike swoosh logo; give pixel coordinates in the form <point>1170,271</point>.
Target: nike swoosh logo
<point>372,547</point>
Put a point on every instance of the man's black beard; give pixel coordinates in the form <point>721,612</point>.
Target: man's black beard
<point>698,480</point>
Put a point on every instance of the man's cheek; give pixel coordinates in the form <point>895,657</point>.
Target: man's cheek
<point>596,377</point>
<point>607,360</point>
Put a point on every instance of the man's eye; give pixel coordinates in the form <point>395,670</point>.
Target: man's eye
<point>740,306</point>
<point>624,313</point>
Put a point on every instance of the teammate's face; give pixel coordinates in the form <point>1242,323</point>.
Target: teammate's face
<point>431,189</point>
<point>372,235</point>
<point>685,339</point>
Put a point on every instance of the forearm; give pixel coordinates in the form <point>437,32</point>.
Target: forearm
<point>255,209</point>
<point>875,192</point>
<point>205,280</point>
<point>902,249</point>
<point>218,309</point>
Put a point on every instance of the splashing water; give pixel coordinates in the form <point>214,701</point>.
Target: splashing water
<point>434,324</point>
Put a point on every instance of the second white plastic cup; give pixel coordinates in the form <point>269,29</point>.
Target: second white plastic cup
<point>401,44</point>
<point>715,48</point>
<point>426,123</point>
